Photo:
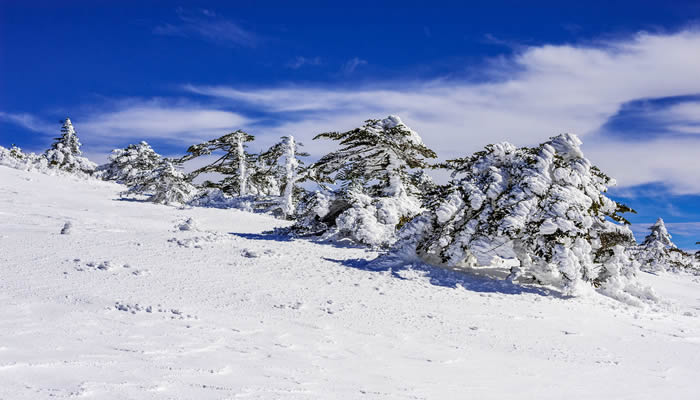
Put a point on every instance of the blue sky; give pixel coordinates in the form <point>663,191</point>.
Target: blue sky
<point>623,75</point>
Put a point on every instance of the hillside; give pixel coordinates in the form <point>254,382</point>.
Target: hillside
<point>136,302</point>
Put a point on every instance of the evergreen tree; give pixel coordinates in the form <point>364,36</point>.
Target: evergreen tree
<point>236,164</point>
<point>658,253</point>
<point>166,184</point>
<point>65,153</point>
<point>131,164</point>
<point>378,191</point>
<point>381,151</point>
<point>544,205</point>
<point>659,234</point>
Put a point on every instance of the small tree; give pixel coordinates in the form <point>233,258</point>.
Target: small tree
<point>544,206</point>
<point>65,153</point>
<point>130,165</point>
<point>236,164</point>
<point>166,184</point>
<point>281,164</point>
<point>658,253</point>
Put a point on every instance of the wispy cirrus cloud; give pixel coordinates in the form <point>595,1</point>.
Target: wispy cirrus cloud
<point>351,65</point>
<point>206,24</point>
<point>136,119</point>
<point>28,121</point>
<point>683,118</point>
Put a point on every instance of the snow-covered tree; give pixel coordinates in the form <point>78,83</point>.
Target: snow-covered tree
<point>17,153</point>
<point>131,164</point>
<point>544,206</point>
<point>165,184</point>
<point>65,153</point>
<point>659,235</point>
<point>377,155</point>
<point>235,164</point>
<point>379,187</point>
<point>658,253</point>
<point>281,165</point>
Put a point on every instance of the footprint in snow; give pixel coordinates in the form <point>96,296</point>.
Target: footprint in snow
<point>173,313</point>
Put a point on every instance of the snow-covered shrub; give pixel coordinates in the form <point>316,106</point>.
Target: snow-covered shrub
<point>543,205</point>
<point>165,185</point>
<point>65,153</point>
<point>130,165</point>
<point>15,158</point>
<point>658,253</point>
<point>378,192</point>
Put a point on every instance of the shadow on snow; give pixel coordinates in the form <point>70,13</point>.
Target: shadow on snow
<point>482,280</point>
<point>476,280</point>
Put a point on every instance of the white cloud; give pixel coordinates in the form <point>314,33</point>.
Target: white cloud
<point>29,122</point>
<point>352,64</point>
<point>682,118</point>
<point>540,92</point>
<point>182,123</point>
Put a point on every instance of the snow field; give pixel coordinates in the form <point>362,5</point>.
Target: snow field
<point>235,313</point>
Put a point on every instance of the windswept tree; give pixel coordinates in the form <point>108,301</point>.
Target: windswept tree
<point>375,169</point>
<point>65,153</point>
<point>235,165</point>
<point>378,156</point>
<point>544,206</point>
<point>130,165</point>
<point>281,164</point>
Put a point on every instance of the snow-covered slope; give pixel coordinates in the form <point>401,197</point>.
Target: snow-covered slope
<point>137,302</point>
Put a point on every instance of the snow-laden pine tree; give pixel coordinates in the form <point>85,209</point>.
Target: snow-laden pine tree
<point>65,153</point>
<point>544,206</point>
<point>17,153</point>
<point>379,156</point>
<point>165,184</point>
<point>658,253</point>
<point>281,165</point>
<point>130,165</point>
<point>377,191</point>
<point>235,164</point>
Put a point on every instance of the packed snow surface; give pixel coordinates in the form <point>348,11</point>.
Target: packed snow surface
<point>131,305</point>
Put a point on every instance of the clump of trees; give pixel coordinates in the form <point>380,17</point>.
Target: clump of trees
<point>545,206</point>
<point>64,155</point>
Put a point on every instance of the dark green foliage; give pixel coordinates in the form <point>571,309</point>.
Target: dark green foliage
<point>378,156</point>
